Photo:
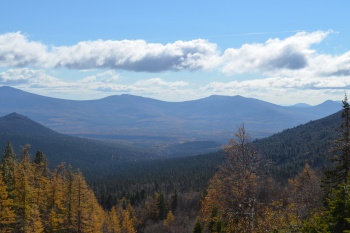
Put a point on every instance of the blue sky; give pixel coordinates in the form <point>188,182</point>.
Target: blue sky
<point>283,52</point>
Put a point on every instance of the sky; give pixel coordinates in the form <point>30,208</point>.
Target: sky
<point>283,52</point>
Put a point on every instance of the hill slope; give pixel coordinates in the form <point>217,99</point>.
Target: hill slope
<point>311,142</point>
<point>89,155</point>
<point>133,117</point>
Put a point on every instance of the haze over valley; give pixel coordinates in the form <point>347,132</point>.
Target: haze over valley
<point>135,118</point>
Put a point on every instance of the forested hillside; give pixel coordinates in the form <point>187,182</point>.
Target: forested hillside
<point>312,143</point>
<point>89,155</point>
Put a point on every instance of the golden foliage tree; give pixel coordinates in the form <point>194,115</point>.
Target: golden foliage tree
<point>230,205</point>
<point>60,201</point>
<point>113,221</point>
<point>7,213</point>
<point>127,223</point>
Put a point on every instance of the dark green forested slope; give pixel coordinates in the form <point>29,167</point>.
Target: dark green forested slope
<point>89,155</point>
<point>162,175</point>
<point>290,149</point>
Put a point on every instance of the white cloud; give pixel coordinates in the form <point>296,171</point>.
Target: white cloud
<point>17,51</point>
<point>283,57</point>
<point>292,53</point>
<point>285,66</point>
<point>134,55</point>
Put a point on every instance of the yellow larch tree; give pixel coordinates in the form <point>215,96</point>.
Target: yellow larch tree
<point>7,213</point>
<point>24,194</point>
<point>127,223</point>
<point>113,223</point>
<point>56,200</point>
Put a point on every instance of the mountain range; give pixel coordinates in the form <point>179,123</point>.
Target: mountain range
<point>127,117</point>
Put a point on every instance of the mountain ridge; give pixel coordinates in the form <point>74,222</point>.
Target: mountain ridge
<point>211,118</point>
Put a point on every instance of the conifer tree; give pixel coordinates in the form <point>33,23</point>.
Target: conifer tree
<point>341,157</point>
<point>56,200</point>
<point>305,193</point>
<point>81,199</point>
<point>113,221</point>
<point>25,192</point>
<point>231,202</point>
<point>169,219</point>
<point>41,185</point>
<point>162,206</point>
<point>41,164</point>
<point>7,213</point>
<point>127,223</point>
<point>70,204</point>
<point>7,168</point>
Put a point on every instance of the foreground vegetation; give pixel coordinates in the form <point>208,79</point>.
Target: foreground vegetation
<point>35,199</point>
<point>243,197</point>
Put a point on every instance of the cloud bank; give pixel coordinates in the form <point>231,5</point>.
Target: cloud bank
<point>16,50</point>
<point>283,66</point>
<point>291,54</point>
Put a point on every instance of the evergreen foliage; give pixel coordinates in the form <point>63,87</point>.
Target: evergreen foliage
<point>336,183</point>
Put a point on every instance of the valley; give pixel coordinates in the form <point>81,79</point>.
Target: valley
<point>170,171</point>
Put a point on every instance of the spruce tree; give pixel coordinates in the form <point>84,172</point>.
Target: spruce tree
<point>7,168</point>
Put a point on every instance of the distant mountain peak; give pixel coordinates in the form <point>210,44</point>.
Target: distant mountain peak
<point>15,115</point>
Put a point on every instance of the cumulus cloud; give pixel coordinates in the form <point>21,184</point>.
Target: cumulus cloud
<point>135,55</point>
<point>292,53</point>
<point>138,55</point>
<point>16,50</point>
<point>274,57</point>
